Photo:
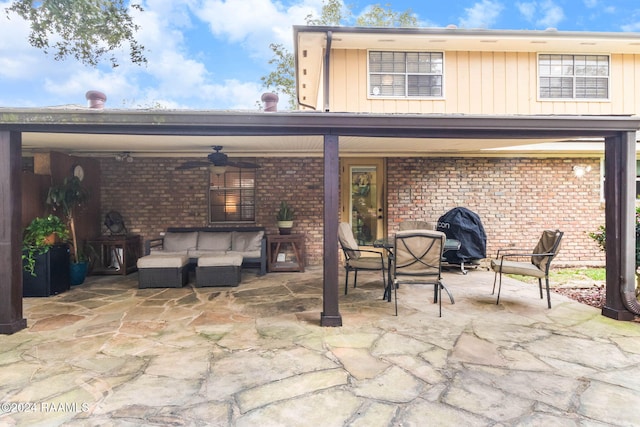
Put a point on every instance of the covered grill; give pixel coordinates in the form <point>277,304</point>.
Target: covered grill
<point>465,226</point>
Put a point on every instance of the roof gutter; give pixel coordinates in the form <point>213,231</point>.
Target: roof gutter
<point>327,56</point>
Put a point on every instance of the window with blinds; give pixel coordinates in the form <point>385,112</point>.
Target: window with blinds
<point>405,74</point>
<point>232,196</point>
<point>573,76</point>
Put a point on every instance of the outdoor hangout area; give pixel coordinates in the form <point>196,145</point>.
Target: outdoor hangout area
<point>109,352</point>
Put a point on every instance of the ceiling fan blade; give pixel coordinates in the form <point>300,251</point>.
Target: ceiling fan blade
<point>246,165</point>
<point>192,164</point>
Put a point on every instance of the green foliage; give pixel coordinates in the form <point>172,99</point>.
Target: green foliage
<point>334,12</point>
<point>282,79</point>
<point>34,238</point>
<point>86,30</point>
<point>69,197</point>
<point>285,213</point>
<point>379,16</point>
<point>600,236</point>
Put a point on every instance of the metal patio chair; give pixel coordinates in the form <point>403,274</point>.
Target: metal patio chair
<point>357,258</point>
<point>418,260</point>
<point>506,261</point>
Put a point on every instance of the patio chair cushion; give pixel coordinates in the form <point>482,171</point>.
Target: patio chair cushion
<point>517,267</point>
<point>180,242</point>
<point>246,241</point>
<point>348,242</point>
<point>214,241</point>
<point>163,261</point>
<point>367,262</point>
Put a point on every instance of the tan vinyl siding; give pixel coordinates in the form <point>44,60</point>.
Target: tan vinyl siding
<point>482,83</point>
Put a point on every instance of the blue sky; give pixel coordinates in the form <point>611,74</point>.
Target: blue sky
<point>210,54</point>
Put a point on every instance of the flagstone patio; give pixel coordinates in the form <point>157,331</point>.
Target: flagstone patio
<point>108,353</point>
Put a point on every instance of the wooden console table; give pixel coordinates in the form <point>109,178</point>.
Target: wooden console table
<point>117,254</point>
<point>278,259</point>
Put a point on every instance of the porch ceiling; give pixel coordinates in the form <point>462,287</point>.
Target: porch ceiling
<point>288,145</point>
<point>244,134</point>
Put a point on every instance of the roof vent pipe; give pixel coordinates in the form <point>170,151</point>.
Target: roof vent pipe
<point>96,99</point>
<point>270,100</point>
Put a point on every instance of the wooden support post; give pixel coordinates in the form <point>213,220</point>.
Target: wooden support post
<point>11,319</point>
<point>619,186</point>
<point>331,314</point>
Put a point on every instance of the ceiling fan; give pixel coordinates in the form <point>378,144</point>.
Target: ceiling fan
<point>217,160</point>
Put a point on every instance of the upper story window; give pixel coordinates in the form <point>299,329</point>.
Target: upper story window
<point>232,196</point>
<point>573,76</point>
<point>405,74</point>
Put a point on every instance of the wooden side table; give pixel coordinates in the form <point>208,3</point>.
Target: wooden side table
<point>117,254</point>
<point>280,247</point>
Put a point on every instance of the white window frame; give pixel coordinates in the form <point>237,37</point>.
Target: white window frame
<point>574,77</point>
<point>406,74</point>
<point>602,178</point>
<point>243,207</point>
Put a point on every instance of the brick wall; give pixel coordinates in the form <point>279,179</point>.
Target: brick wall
<point>152,195</point>
<point>515,198</point>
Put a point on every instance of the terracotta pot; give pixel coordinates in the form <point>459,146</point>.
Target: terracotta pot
<point>51,239</point>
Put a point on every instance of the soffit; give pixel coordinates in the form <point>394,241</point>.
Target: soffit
<point>192,133</point>
<point>454,39</point>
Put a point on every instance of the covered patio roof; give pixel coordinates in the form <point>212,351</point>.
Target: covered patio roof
<point>335,135</point>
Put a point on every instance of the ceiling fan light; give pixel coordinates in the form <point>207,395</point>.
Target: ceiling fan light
<point>218,170</point>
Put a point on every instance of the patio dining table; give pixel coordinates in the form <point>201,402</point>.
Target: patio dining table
<point>388,244</point>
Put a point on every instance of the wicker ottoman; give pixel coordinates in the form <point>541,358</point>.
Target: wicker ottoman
<point>218,270</point>
<point>163,271</point>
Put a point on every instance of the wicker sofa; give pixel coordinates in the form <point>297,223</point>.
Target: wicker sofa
<point>250,242</point>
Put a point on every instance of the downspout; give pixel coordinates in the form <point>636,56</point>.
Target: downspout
<point>297,77</point>
<point>629,298</point>
<point>327,55</point>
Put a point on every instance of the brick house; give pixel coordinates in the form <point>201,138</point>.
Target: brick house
<point>513,162</point>
<point>518,187</point>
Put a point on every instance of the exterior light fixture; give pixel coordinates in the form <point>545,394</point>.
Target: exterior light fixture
<point>124,157</point>
<point>218,170</point>
<point>580,171</point>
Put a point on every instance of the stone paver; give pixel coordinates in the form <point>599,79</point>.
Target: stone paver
<point>107,353</point>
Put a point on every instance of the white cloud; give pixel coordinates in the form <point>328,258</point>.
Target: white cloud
<point>255,23</point>
<point>543,14</point>
<point>179,73</point>
<point>482,15</point>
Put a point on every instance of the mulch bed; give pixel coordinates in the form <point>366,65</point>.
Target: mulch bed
<point>593,295</point>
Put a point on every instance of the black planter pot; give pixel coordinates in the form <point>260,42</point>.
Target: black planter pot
<point>51,273</point>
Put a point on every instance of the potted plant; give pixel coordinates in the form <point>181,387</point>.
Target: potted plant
<point>39,236</point>
<point>285,218</point>
<point>69,197</point>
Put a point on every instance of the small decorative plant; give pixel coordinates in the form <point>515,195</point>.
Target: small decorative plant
<point>285,213</point>
<point>37,238</point>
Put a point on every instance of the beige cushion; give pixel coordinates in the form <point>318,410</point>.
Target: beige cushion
<point>219,260</point>
<point>163,261</point>
<point>214,240</point>
<point>195,253</point>
<point>369,263</point>
<point>417,225</point>
<point>179,242</point>
<point>426,245</point>
<point>517,267</point>
<point>347,241</point>
<point>246,241</point>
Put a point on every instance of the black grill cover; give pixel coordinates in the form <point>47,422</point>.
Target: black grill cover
<point>464,225</point>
